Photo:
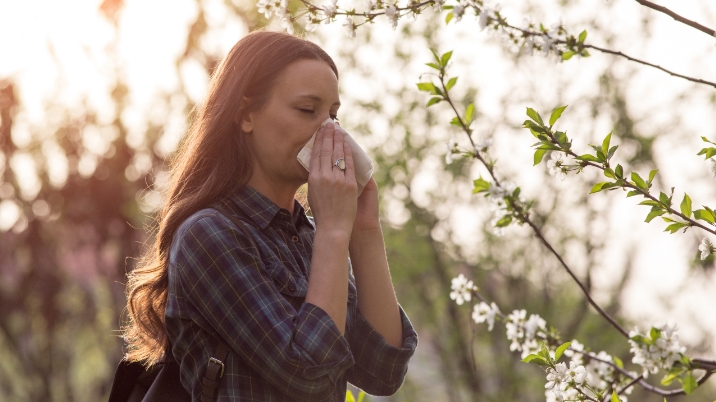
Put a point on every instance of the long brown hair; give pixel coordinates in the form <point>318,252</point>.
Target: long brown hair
<point>211,161</point>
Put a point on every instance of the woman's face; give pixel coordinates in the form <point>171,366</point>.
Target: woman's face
<point>305,94</point>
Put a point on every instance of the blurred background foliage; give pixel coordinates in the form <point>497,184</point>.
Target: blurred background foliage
<point>64,258</point>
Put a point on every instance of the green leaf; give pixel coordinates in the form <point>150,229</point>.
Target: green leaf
<point>588,158</point>
<point>632,193</point>
<point>448,17</point>
<point>450,83</point>
<point>615,397</point>
<point>567,55</point>
<point>652,174</point>
<point>480,185</point>
<point>669,378</point>
<point>609,173</point>
<point>686,206</point>
<point>504,221</point>
<point>651,203</point>
<point>469,113</point>
<point>535,359</point>
<point>584,53</point>
<point>704,215</point>
<point>561,349</point>
<point>641,339</point>
<point>582,36</point>
<point>690,384</point>
<point>611,151</point>
<point>653,214</point>
<point>437,58</point>
<point>539,154</point>
<point>619,171</point>
<point>433,101</point>
<point>605,144</point>
<point>556,114</point>
<point>708,152</point>
<point>534,116</point>
<point>664,199</point>
<point>445,58</point>
<point>427,87</point>
<point>599,187</point>
<point>349,396</point>
<point>455,122</point>
<point>655,333</point>
<point>618,362</point>
<point>638,181</point>
<point>433,65</point>
<point>674,227</point>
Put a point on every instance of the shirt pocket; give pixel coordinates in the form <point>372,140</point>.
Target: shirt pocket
<point>286,282</point>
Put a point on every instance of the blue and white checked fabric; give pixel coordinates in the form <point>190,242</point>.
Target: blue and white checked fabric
<point>282,349</point>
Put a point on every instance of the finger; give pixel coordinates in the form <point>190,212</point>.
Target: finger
<point>350,167</point>
<point>337,148</point>
<point>327,147</point>
<point>315,164</point>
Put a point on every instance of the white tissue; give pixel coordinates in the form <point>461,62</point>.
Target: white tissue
<point>361,161</point>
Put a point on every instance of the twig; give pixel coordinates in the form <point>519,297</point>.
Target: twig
<point>677,17</point>
<point>646,63</point>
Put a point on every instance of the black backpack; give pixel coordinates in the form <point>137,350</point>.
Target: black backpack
<point>161,382</point>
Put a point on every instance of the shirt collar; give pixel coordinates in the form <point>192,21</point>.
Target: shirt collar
<point>261,209</point>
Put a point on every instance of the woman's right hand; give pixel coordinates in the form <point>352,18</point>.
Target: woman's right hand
<point>332,193</point>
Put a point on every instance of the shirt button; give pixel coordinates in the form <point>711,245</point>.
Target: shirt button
<point>291,287</point>
<point>294,239</point>
<point>351,295</point>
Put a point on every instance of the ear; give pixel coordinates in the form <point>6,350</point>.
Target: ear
<point>248,119</point>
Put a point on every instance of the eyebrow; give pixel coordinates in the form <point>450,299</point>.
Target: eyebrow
<point>316,98</point>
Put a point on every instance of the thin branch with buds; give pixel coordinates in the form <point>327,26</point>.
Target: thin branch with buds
<point>417,8</point>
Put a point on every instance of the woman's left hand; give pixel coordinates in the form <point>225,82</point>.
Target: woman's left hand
<point>367,212</point>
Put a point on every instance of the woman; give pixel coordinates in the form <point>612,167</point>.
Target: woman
<point>298,320</point>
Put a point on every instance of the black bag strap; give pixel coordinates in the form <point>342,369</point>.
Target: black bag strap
<point>214,372</point>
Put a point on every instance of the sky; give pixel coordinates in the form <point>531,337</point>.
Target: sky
<point>59,52</point>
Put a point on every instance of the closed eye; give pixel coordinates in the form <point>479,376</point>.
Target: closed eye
<point>309,111</point>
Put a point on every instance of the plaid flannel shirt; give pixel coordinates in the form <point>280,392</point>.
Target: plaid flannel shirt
<point>281,348</point>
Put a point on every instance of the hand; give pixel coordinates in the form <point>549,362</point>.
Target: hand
<point>367,213</point>
<point>332,193</point>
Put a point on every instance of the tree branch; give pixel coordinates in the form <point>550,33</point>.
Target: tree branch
<point>677,17</point>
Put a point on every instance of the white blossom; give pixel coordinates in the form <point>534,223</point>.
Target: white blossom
<point>451,145</point>
<point>392,13</point>
<point>483,312</point>
<point>557,25</point>
<point>706,248</point>
<point>661,354</point>
<point>370,4</point>
<point>546,44</point>
<point>458,11</point>
<point>461,289</point>
<point>533,324</point>
<point>577,373</point>
<point>330,10</point>
<point>438,5</point>
<point>556,375</point>
<point>350,27</point>
<point>556,166</point>
<point>485,13</point>
<point>483,143</point>
<point>713,166</point>
<point>573,352</point>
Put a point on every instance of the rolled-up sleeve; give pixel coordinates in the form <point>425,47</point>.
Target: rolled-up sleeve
<point>380,368</point>
<point>301,352</point>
